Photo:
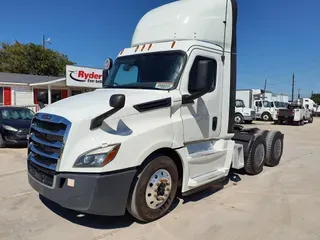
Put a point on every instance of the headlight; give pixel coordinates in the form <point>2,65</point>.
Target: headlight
<point>97,158</point>
<point>9,128</point>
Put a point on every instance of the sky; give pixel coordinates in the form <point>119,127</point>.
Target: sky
<point>275,38</point>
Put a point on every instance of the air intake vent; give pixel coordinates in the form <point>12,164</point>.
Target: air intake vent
<point>148,106</point>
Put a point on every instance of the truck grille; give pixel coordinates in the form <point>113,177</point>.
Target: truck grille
<point>48,135</point>
<point>253,113</point>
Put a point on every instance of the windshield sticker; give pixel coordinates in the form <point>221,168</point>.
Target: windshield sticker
<point>164,85</point>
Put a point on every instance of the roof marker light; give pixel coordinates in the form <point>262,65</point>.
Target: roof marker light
<point>137,48</point>
<point>150,46</point>
<point>121,52</point>
<point>143,47</point>
<point>173,44</point>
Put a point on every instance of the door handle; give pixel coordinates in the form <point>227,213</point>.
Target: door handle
<point>214,123</point>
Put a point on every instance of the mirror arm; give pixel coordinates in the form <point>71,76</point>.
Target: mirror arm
<point>186,99</point>
<point>41,105</point>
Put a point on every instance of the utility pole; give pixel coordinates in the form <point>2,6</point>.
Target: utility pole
<point>299,93</point>
<point>293,83</point>
<point>311,93</point>
<point>45,41</point>
<point>264,89</point>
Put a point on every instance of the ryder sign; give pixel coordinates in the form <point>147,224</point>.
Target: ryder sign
<point>83,77</point>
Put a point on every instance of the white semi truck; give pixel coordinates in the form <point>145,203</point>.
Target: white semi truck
<point>162,125</point>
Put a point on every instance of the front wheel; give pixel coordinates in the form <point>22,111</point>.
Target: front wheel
<point>310,119</point>
<point>154,189</point>
<point>238,118</point>
<point>266,117</point>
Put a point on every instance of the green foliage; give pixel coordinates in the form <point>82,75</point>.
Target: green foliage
<point>316,98</point>
<point>32,59</point>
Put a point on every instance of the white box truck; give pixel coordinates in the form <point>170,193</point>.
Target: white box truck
<point>261,103</point>
<point>163,124</point>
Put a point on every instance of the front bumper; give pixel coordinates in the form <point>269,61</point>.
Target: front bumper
<point>248,118</point>
<point>15,137</point>
<point>101,194</point>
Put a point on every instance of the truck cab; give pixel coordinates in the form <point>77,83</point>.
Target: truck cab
<point>264,109</point>
<point>162,124</point>
<point>243,114</point>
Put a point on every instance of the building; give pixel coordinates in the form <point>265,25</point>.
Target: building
<point>21,89</point>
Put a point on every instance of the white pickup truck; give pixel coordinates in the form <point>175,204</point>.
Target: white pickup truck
<point>163,123</point>
<point>294,114</point>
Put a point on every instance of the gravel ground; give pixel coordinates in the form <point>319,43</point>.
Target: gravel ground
<point>281,203</point>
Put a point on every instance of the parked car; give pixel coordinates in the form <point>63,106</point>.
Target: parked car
<point>15,123</point>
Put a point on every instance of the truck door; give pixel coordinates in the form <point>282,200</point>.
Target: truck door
<point>201,117</point>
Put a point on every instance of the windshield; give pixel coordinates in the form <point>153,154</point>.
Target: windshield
<point>266,104</point>
<point>278,104</point>
<point>16,114</point>
<point>240,104</point>
<point>146,71</point>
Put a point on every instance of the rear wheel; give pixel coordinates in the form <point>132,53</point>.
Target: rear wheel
<point>274,146</point>
<point>238,118</point>
<point>154,189</point>
<point>2,143</point>
<point>256,157</point>
<point>266,117</point>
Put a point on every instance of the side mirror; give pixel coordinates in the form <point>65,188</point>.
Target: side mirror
<point>205,73</point>
<point>42,98</point>
<point>117,101</point>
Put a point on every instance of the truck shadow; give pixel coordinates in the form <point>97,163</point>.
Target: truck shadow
<point>107,222</point>
<point>212,188</point>
<point>88,220</point>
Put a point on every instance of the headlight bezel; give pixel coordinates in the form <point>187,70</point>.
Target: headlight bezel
<point>100,157</point>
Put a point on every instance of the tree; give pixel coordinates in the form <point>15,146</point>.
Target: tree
<point>32,59</point>
<point>316,98</point>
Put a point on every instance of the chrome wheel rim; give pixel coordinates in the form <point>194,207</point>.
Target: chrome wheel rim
<point>265,117</point>
<point>277,149</point>
<point>237,119</point>
<point>158,189</point>
<point>259,154</point>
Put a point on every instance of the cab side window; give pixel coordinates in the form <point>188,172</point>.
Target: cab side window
<point>192,86</point>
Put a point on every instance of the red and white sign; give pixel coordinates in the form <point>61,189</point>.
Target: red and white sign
<point>83,77</point>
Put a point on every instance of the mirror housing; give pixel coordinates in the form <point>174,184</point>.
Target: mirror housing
<point>205,75</point>
<point>117,101</point>
<point>42,98</point>
<point>108,63</point>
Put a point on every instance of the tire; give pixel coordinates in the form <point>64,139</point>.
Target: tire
<point>2,143</point>
<point>274,145</point>
<point>301,122</point>
<point>257,156</point>
<point>266,117</point>
<point>248,121</point>
<point>238,118</point>
<point>147,181</point>
<point>264,133</point>
<point>310,119</point>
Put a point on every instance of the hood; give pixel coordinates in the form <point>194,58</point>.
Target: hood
<point>91,104</point>
<point>18,124</point>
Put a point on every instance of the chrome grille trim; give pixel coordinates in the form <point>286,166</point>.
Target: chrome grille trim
<point>48,135</point>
